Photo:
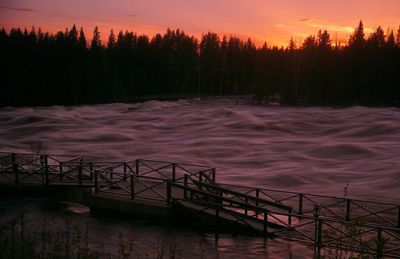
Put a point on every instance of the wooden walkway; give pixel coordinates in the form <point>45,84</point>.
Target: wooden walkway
<point>192,193</point>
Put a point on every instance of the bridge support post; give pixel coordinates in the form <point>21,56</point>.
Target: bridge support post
<point>301,203</point>
<point>316,228</point>
<point>132,186</point>
<point>137,167</point>
<point>15,168</point>
<point>379,243</point>
<point>265,223</point>
<point>319,243</point>
<point>398,217</point>
<point>169,194</point>
<point>61,171</point>
<point>257,196</point>
<point>217,218</point>
<point>96,182</point>
<point>46,169</point>
<point>290,217</point>
<point>80,172</point>
<point>185,182</point>
<point>213,175</point>
<point>245,210</point>
<point>173,172</point>
<point>125,170</point>
<point>348,202</point>
<point>91,171</point>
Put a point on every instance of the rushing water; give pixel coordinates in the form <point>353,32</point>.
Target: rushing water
<point>313,150</point>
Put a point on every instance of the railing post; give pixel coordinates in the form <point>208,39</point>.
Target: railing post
<point>46,169</point>
<point>96,182</point>
<point>398,217</point>
<point>91,170</point>
<point>265,222</point>
<point>379,243</point>
<point>169,192</point>
<point>173,172</point>
<point>290,217</point>
<point>80,172</point>
<point>245,210</point>
<point>217,217</point>
<point>319,244</point>
<point>348,202</point>
<point>137,167</point>
<point>132,186</point>
<point>15,168</point>
<point>201,176</point>
<point>316,227</point>
<point>257,196</point>
<point>61,171</point>
<point>301,203</point>
<point>213,175</point>
<point>125,170</point>
<point>112,174</point>
<point>185,182</point>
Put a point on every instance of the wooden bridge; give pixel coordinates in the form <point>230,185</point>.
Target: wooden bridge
<point>192,194</point>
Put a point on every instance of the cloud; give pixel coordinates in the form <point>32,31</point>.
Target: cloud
<point>305,20</point>
<point>321,24</point>
<point>19,9</point>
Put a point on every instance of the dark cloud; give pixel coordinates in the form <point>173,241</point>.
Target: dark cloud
<point>10,8</point>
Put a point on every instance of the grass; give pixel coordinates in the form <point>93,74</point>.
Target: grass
<point>72,242</point>
<point>357,245</point>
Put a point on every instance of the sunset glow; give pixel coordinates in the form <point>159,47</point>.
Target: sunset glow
<point>272,21</point>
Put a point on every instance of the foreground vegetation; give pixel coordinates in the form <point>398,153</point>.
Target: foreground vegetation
<point>17,241</point>
<point>44,69</point>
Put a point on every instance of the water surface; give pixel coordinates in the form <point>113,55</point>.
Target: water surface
<point>314,150</point>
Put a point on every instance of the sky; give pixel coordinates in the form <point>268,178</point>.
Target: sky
<point>271,21</point>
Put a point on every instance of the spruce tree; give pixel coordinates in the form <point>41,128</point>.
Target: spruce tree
<point>82,39</point>
<point>96,41</point>
<point>357,39</point>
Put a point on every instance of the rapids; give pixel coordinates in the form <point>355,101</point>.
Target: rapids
<point>305,149</point>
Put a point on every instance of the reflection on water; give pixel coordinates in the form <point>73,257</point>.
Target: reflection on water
<point>313,150</point>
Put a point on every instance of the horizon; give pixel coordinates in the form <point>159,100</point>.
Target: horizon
<point>298,43</point>
<point>263,21</point>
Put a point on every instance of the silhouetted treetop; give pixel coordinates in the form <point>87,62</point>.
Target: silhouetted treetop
<point>96,41</point>
<point>377,38</point>
<point>111,40</point>
<point>357,39</point>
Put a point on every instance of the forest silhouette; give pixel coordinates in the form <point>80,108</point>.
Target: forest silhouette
<point>39,68</point>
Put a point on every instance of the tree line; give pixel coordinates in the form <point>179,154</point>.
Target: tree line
<point>40,68</point>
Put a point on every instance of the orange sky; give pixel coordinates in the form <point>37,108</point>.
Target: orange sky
<point>273,21</point>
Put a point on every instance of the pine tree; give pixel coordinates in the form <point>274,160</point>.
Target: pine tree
<point>73,35</point>
<point>390,40</point>
<point>82,39</point>
<point>357,39</point>
<point>292,44</point>
<point>324,40</point>
<point>377,39</point>
<point>111,40</point>
<point>96,41</point>
<point>310,42</point>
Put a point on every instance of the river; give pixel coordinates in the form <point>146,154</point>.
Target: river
<point>305,149</point>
